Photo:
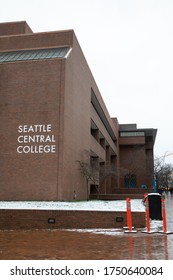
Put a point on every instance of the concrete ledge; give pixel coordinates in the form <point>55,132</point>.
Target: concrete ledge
<point>116,196</point>
<point>122,194</point>
<point>12,219</point>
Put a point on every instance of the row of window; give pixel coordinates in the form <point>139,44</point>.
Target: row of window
<point>99,110</point>
<point>132,133</point>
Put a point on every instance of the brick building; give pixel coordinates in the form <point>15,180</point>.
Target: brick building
<point>53,120</point>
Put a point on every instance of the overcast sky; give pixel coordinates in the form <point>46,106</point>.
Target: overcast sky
<point>128,45</point>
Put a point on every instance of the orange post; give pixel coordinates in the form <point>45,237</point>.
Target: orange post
<point>164,218</point>
<point>147,215</point>
<point>129,217</point>
<point>164,215</point>
<point>129,214</point>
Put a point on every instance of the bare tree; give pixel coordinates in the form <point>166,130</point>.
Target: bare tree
<point>90,172</point>
<point>106,171</point>
<point>163,172</point>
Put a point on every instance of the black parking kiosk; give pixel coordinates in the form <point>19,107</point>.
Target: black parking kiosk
<point>155,205</point>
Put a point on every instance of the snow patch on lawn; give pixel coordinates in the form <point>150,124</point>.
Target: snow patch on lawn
<point>91,205</point>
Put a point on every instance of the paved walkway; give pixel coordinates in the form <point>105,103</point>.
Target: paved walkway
<point>73,245</point>
<point>169,210</point>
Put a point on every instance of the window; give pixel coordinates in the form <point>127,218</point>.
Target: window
<point>130,181</point>
<point>132,133</point>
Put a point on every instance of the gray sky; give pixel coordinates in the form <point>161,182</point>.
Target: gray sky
<point>128,45</point>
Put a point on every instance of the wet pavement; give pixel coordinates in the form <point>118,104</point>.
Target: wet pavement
<point>89,245</point>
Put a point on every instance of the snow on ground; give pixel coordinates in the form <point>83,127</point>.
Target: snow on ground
<point>155,227</point>
<point>91,205</point>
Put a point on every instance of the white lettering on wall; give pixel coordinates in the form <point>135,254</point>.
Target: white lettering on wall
<point>36,139</point>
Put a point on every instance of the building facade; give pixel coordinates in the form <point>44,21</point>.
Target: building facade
<point>58,141</point>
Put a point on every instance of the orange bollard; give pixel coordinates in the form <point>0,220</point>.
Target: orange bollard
<point>147,217</point>
<point>147,213</point>
<point>129,217</point>
<point>129,214</point>
<point>164,218</point>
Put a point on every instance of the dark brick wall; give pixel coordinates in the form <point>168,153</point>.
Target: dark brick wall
<point>38,219</point>
<point>133,160</point>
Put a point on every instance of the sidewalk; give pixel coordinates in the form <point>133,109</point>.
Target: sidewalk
<point>169,210</point>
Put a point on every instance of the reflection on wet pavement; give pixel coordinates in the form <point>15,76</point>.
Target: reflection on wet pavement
<point>88,245</point>
<point>73,245</point>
